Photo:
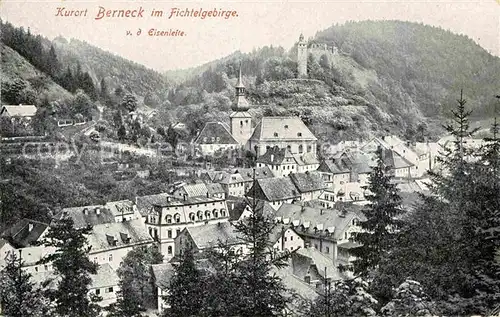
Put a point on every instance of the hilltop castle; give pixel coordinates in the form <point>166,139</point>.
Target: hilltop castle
<point>305,47</point>
<point>288,133</point>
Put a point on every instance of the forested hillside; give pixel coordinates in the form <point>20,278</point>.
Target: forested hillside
<point>387,77</point>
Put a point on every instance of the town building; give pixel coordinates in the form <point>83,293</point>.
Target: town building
<point>334,172</point>
<point>285,238</point>
<point>276,191</point>
<point>206,237</point>
<point>279,160</point>
<point>123,210</point>
<point>18,112</point>
<point>168,216</point>
<point>110,242</point>
<point>213,138</point>
<point>310,185</point>
<point>324,229</point>
<point>85,216</point>
<point>199,190</point>
<point>24,232</point>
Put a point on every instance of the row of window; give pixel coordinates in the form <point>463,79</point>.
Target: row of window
<point>200,215</point>
<point>301,148</point>
<point>106,290</point>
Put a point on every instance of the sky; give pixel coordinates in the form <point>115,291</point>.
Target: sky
<point>257,23</point>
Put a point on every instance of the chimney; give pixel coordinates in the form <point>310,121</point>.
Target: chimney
<point>30,227</point>
<point>98,211</point>
<point>307,279</point>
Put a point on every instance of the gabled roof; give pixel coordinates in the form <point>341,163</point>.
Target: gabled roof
<point>215,133</point>
<point>260,172</point>
<point>326,221</point>
<point>24,232</point>
<point>145,203</point>
<point>214,188</point>
<point>87,215</point>
<point>105,277</point>
<point>209,235</point>
<point>122,207</point>
<point>282,128</point>
<point>306,159</point>
<point>308,181</point>
<point>317,259</point>
<point>274,189</point>
<point>19,110</point>
<point>126,233</point>
<point>358,161</point>
<point>333,167</point>
<point>394,160</point>
<point>276,156</point>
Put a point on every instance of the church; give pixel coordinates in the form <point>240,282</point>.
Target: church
<point>288,133</point>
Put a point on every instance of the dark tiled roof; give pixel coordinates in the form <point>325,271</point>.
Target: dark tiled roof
<point>306,159</point>
<point>209,235</point>
<point>24,232</point>
<point>214,188</point>
<point>308,181</point>
<point>276,156</point>
<point>358,161</point>
<point>333,167</point>
<point>215,133</point>
<point>87,215</point>
<point>260,172</point>
<point>273,189</point>
<point>126,233</point>
<point>394,160</point>
<point>145,203</point>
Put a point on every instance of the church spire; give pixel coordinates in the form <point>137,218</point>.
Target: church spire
<point>241,104</point>
<point>240,88</point>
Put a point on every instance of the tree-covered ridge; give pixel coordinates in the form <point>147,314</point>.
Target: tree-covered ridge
<point>428,64</point>
<point>116,71</point>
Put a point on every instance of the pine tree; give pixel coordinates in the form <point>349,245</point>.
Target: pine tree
<point>73,268</point>
<point>19,296</point>
<point>185,296</point>
<point>260,292</point>
<point>381,227</point>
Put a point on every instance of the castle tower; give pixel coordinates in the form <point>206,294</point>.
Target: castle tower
<point>302,57</point>
<point>241,120</point>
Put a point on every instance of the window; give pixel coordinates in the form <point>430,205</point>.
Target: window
<point>46,267</point>
<point>109,290</point>
<point>110,258</point>
<point>207,214</point>
<point>345,235</point>
<point>177,218</point>
<point>286,126</point>
<point>301,148</point>
<point>169,218</point>
<point>284,238</point>
<point>36,268</point>
<point>276,134</point>
<point>200,215</point>
<point>299,133</point>
<point>289,148</point>
<point>192,216</point>
<point>169,250</point>
<point>327,249</point>
<point>291,238</point>
<point>169,234</point>
<point>309,148</point>
<point>223,212</point>
<point>316,246</point>
<point>97,291</point>
<point>241,123</point>
<point>246,121</point>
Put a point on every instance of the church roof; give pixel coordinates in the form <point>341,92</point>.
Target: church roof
<point>215,133</point>
<point>282,128</point>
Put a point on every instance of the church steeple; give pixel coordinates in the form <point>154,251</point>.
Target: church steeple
<point>241,103</point>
